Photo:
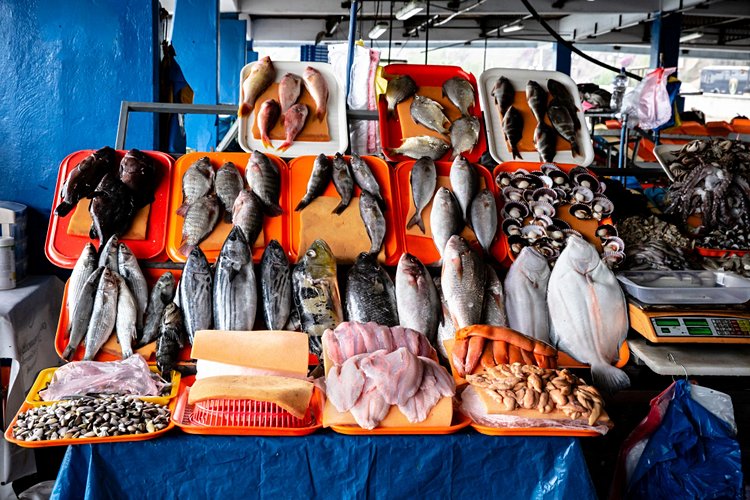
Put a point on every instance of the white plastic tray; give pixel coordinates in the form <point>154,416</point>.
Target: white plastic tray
<point>686,287</point>
<point>518,77</point>
<point>665,154</point>
<point>336,115</point>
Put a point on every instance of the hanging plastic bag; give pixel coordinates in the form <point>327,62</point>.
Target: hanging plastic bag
<point>648,104</point>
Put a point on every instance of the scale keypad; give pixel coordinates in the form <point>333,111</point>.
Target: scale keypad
<point>696,326</point>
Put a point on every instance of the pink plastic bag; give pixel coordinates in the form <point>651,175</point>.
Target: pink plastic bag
<point>649,101</point>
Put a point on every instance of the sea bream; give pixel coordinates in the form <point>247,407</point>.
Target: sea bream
<point>162,294</point>
<point>343,182</point>
<point>83,179</point>
<point>423,145</point>
<point>423,180</point>
<point>84,267</point>
<point>318,181</point>
<point>589,313</point>
<point>460,92</point>
<point>81,313</point>
<point>370,293</point>
<point>235,293</point>
<point>464,134</point>
<point>364,177</point>
<point>264,179</point>
<point>228,183</point>
<point>294,121</point>
<point>268,115</point>
<point>526,294</point>
<point>417,298</point>
<point>445,218</point>
<point>290,88</point>
<point>200,220</point>
<point>429,113</point>
<point>463,279</point>
<point>103,314</point>
<point>275,286</point>
<point>261,75</point>
<point>464,184</point>
<point>197,182</point>
<point>316,85</point>
<point>196,293</point>
<point>399,89</point>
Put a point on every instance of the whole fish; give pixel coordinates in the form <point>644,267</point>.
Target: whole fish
<point>423,180</point>
<point>294,121</point>
<point>275,286</point>
<point>196,294</point>
<point>261,75</point>
<point>417,298</point>
<point>316,293</point>
<point>247,214</point>
<point>85,265</point>
<point>464,184</point>
<point>200,221</point>
<point>228,183</point>
<point>112,208</point>
<point>399,89</point>
<point>428,113</point>
<point>589,313</point>
<point>108,254</point>
<point>563,123</point>
<point>374,221</point>
<point>483,216</point>
<point>343,182</point>
<point>561,93</point>
<point>162,294</point>
<point>365,178</point>
<point>197,182</point>
<point>513,129</point>
<point>504,95</point>
<point>103,314</point>
<point>445,218</point>
<point>446,329</point>
<point>526,294</point>
<point>318,182</point>
<point>464,134</point>
<point>138,172</point>
<point>545,141</point>
<point>463,278</point>
<point>316,85</point>
<point>170,340</point>
<point>83,179</point>
<point>460,92</point>
<point>370,294</point>
<point>423,145</point>
<point>264,180</point>
<point>536,96</point>
<point>493,312</point>
<point>290,87</point>
<point>126,317</point>
<point>235,293</point>
<point>130,270</point>
<point>81,312</point>
<point>268,115</point>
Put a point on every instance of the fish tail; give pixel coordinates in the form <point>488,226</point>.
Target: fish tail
<point>186,248</point>
<point>63,208</point>
<point>417,219</point>
<point>574,149</point>
<point>302,204</point>
<point>609,378</point>
<point>285,145</point>
<point>183,209</point>
<point>244,110</point>
<point>127,351</point>
<point>266,141</point>
<point>274,210</point>
<point>320,114</point>
<point>516,153</point>
<point>340,208</point>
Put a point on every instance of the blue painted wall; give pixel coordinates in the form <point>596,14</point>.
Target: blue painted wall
<point>232,33</point>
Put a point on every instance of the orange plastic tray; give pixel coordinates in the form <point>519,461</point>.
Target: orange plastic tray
<point>274,228</point>
<point>63,249</point>
<point>61,336</point>
<point>459,422</point>
<point>718,252</point>
<point>423,247</point>
<point>300,169</point>
<point>566,361</point>
<point>533,431</point>
<point>65,442</point>
<point>429,76</point>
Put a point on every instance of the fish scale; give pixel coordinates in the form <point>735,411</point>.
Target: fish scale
<point>463,280</point>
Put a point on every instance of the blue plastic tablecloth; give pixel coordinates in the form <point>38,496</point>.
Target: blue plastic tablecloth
<point>328,465</point>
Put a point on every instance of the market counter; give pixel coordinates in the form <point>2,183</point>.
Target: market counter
<point>325,464</point>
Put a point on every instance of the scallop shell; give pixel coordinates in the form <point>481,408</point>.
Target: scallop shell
<point>542,220</point>
<point>546,168</point>
<point>602,205</point>
<point>544,194</point>
<point>533,233</point>
<point>575,171</point>
<point>511,193</point>
<point>528,195</point>
<point>503,179</point>
<point>606,231</point>
<point>542,208</point>
<point>511,227</point>
<point>537,173</point>
<point>571,232</point>
<point>559,178</point>
<point>581,211</point>
<point>515,210</point>
<point>613,244</point>
<point>613,258</point>
<point>588,181</point>
<point>561,223</point>
<point>555,233</point>
<point>548,251</point>
<point>516,243</point>
<point>581,194</point>
<point>520,172</point>
<point>526,182</point>
<point>562,195</point>
<point>547,181</point>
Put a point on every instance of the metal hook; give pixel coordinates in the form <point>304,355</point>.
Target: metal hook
<point>670,357</point>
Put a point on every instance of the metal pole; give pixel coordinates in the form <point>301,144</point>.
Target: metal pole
<point>390,32</point>
<point>352,32</point>
<point>623,142</point>
<point>427,34</point>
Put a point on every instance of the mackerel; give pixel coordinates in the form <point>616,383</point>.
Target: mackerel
<point>103,314</point>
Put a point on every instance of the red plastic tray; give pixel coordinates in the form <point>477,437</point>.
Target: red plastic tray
<point>63,249</point>
<point>429,76</point>
<point>718,252</point>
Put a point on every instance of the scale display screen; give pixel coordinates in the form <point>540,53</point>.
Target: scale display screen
<point>692,326</point>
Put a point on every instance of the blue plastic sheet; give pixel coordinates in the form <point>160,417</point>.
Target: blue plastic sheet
<point>328,465</point>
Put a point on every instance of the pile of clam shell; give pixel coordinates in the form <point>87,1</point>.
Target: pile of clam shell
<point>531,201</point>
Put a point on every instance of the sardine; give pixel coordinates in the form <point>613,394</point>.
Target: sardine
<point>261,75</point>
<point>399,89</point>
<point>162,294</point>
<point>83,179</point>
<point>85,265</point>
<point>197,182</point>
<point>196,294</point>
<point>561,93</point>
<point>316,85</point>
<point>264,179</point>
<point>463,278</point>
<point>423,180</point>
<point>526,294</point>
<point>235,293</point>
<point>417,298</point>
<point>365,178</point>
<point>130,270</point>
<point>316,293</point>
<point>138,172</point>
<point>108,254</point>
<point>103,315</point>
<point>81,312</point>
<point>126,317</point>
<point>374,221</point>
<point>483,216</point>
<point>464,184</point>
<point>460,92</point>
<point>294,121</point>
<point>429,113</point>
<point>504,95</point>
<point>446,329</point>
<point>423,145</point>
<point>343,182</point>
<point>464,134</point>
<point>545,141</point>
<point>275,286</point>
<point>247,214</point>
<point>536,96</point>
<point>290,88</point>
<point>445,218</point>
<point>589,312</point>
<point>170,341</point>
<point>513,129</point>
<point>112,208</point>
<point>563,123</point>
<point>228,183</point>
<point>318,182</point>
<point>200,221</point>
<point>268,115</point>
<point>493,312</point>
<point>370,293</point>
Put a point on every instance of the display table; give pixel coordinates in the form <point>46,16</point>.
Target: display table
<point>28,320</point>
<point>327,465</point>
<point>727,360</point>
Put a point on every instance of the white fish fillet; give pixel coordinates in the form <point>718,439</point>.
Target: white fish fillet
<point>526,294</point>
<point>589,312</point>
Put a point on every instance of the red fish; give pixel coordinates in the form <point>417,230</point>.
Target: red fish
<point>267,116</point>
<point>294,121</point>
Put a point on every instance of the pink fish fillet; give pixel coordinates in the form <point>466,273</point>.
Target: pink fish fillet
<point>332,348</point>
<point>344,384</point>
<point>436,383</point>
<point>398,375</point>
<point>371,408</point>
<point>294,121</point>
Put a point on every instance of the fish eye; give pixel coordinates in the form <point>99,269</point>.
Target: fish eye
<point>311,253</point>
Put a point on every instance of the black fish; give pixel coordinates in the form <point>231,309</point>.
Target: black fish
<point>504,94</point>
<point>138,172</point>
<point>84,178</point>
<point>545,141</point>
<point>112,208</point>
<point>171,339</point>
<point>370,293</point>
<point>319,179</point>
<point>536,96</point>
<point>563,123</point>
<point>513,128</point>
<point>561,93</point>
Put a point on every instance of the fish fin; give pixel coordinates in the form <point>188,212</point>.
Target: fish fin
<point>301,205</point>
<point>320,114</point>
<point>227,216</point>
<point>574,150</point>
<point>285,145</point>
<point>340,208</point>
<point>416,219</point>
<point>244,110</point>
<point>609,378</point>
<point>266,141</point>
<point>64,208</point>
<point>183,209</point>
<point>274,210</point>
<point>516,153</point>
<point>186,248</point>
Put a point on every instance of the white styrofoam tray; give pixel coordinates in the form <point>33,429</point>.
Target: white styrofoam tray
<point>336,116</point>
<point>665,155</point>
<point>497,145</point>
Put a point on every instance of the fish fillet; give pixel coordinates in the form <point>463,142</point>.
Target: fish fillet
<point>526,294</point>
<point>344,384</point>
<point>398,375</point>
<point>371,408</point>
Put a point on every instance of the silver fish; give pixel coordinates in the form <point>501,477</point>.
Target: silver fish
<point>429,113</point>
<point>463,278</point>
<point>370,293</point>
<point>261,75</point>
<point>247,214</point>
<point>197,182</point>
<point>318,182</point>
<point>536,96</point>
<point>562,120</point>
<point>103,315</point>
<point>526,294</point>
<point>374,221</point>
<point>200,221</point>
<point>130,270</point>
<point>264,180</point>
<point>460,92</point>
<point>504,94</point>
<point>423,180</point>
<point>108,253</point>
<point>589,313</point>
<point>290,87</point>
<point>464,134</point>
<point>446,329</point>
<point>399,89</point>
<point>364,177</point>
<point>423,145</point>
<point>85,265</point>
<point>545,141</point>
<point>416,297</point>
<point>316,85</point>
<point>445,218</point>
<point>162,294</point>
<point>126,317</point>
<point>196,294</point>
<point>170,341</point>
<point>464,184</point>
<point>494,301</point>
<point>343,182</point>
<point>235,293</point>
<point>228,183</point>
<point>275,286</point>
<point>483,216</point>
<point>81,313</point>
<point>513,129</point>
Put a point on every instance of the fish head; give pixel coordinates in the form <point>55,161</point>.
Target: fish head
<point>411,267</point>
<point>310,72</point>
<point>124,254</point>
<point>581,255</point>
<point>319,259</point>
<point>197,257</point>
<point>460,163</point>
<point>235,246</point>
<point>532,264</point>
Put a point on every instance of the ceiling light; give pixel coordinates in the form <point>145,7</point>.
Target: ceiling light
<point>378,29</point>
<point>513,27</point>
<point>409,10</point>
<point>691,36</point>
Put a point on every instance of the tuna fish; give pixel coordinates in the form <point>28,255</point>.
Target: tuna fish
<point>235,293</point>
<point>196,294</point>
<point>423,180</point>
<point>526,294</point>
<point>275,286</point>
<point>370,294</point>
<point>417,298</point>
